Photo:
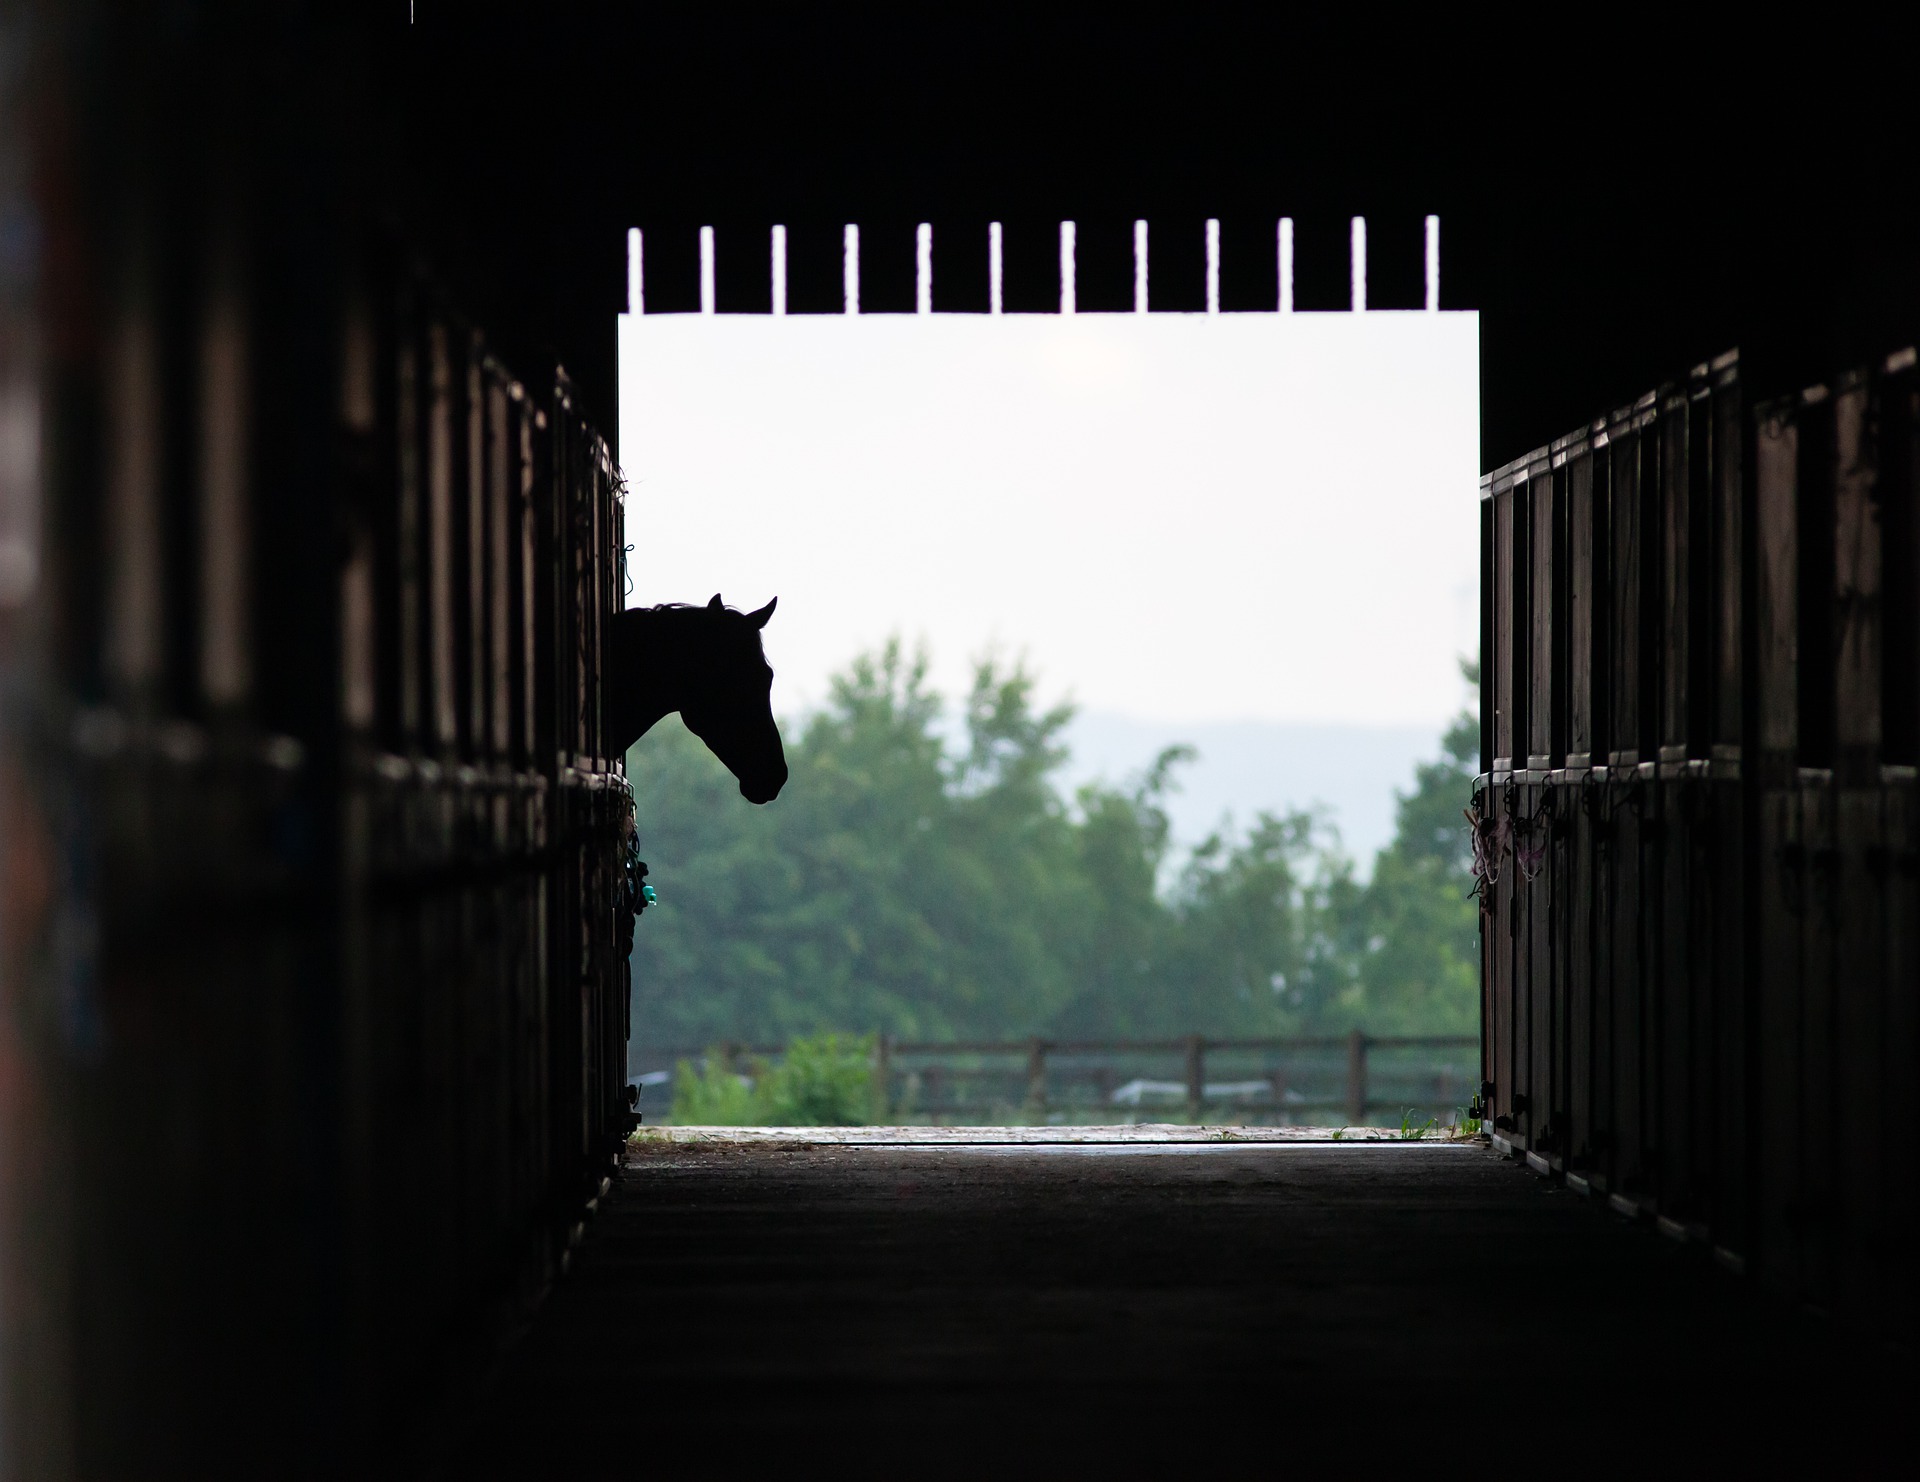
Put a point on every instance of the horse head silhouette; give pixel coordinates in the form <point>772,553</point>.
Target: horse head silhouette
<point>706,663</point>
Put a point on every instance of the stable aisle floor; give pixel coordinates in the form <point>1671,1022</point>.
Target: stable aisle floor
<point>761,1309</point>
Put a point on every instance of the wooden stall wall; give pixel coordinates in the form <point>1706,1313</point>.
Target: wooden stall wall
<point>315,990</point>
<point>1699,867</point>
<point>483,881</point>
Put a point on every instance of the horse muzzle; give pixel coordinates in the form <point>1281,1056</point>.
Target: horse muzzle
<point>763,789</point>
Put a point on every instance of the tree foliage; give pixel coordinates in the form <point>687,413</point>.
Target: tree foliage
<point>908,887</point>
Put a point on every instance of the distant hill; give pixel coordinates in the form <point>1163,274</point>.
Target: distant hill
<point>1248,765</point>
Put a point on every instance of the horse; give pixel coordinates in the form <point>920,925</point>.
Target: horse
<point>708,664</point>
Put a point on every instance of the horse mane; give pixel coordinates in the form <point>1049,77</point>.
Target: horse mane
<point>693,636</point>
<point>678,610</point>
<point>684,607</point>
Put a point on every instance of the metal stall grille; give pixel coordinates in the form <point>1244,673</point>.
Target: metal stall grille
<point>1699,869</point>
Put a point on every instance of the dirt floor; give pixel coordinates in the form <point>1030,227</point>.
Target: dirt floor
<point>766,1309</point>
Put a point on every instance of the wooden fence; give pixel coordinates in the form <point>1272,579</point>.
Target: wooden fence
<point>1697,821</point>
<point>1041,1079</point>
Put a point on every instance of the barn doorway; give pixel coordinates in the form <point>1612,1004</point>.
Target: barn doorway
<point>1056,545</point>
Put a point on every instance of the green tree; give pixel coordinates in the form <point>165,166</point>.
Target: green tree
<point>1121,842</point>
<point>1419,969</point>
<point>891,888</point>
<point>904,887</point>
<point>1256,936</point>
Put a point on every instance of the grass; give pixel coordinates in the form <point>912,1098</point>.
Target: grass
<point>1409,1132</point>
<point>825,1081</point>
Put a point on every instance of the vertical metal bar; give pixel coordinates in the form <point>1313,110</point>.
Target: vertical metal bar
<point>1213,266</point>
<point>1649,798</point>
<point>500,571</point>
<point>1497,932</point>
<point>1577,885</point>
<point>1284,249</point>
<point>410,521</point>
<point>1900,1051</point>
<point>1729,566</point>
<point>1863,1111</point>
<point>1625,570</point>
<point>1677,931</point>
<point>1859,647</point>
<point>1900,557</point>
<point>135,635</point>
<point>1544,690</point>
<point>1357,264</point>
<point>475,629</point>
<point>360,423</point>
<point>530,594</point>
<point>1544,562</point>
<point>1433,264</point>
<point>1675,502</point>
<point>1817,652</point>
<point>1733,910</point>
<point>1815,1139</point>
<point>226,658</point>
<point>1731,562</point>
<point>1487,698</point>
<point>439,544</point>
<point>1779,1105</point>
<point>1523,800</point>
<point>1900,857</point>
<point>1507,738</point>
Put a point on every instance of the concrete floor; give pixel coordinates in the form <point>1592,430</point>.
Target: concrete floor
<point>994,1311</point>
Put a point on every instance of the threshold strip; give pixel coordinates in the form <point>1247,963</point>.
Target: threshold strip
<point>1168,1136</point>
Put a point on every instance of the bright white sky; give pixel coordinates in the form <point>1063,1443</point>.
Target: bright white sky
<point>1177,517</point>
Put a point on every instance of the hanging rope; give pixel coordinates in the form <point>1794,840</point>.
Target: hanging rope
<point>1491,837</point>
<point>1531,838</point>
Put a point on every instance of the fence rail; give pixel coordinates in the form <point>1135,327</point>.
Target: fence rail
<point>920,1077</point>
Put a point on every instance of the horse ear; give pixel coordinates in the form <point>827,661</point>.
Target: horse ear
<point>759,619</point>
<point>716,605</point>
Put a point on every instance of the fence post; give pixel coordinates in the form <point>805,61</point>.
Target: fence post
<point>1356,1078</point>
<point>882,1078</point>
<point>1036,1077</point>
<point>1196,1075</point>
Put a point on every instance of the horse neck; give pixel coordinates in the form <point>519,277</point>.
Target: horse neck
<point>666,649</point>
